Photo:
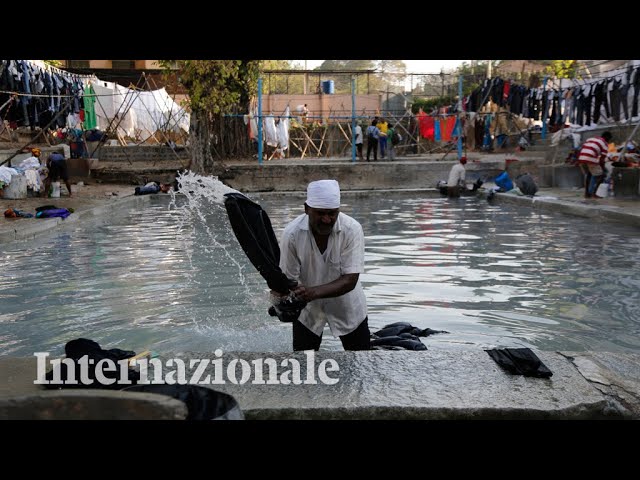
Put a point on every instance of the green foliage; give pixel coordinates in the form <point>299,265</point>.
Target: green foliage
<point>390,77</point>
<point>217,86</point>
<point>428,105</point>
<point>281,83</point>
<point>562,68</point>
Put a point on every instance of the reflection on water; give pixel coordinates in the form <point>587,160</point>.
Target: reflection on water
<point>164,279</point>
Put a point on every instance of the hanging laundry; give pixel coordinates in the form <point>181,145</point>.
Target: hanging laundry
<point>448,128</point>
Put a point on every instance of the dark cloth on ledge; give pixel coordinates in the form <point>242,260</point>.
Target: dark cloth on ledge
<point>520,361</point>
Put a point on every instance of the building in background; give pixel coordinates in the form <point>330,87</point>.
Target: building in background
<point>130,73</point>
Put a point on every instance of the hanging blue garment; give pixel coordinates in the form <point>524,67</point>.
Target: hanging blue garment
<point>457,129</point>
<point>486,141</point>
<point>437,136</point>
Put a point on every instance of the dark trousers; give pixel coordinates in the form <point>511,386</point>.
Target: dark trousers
<point>372,145</point>
<point>305,339</point>
<point>587,179</point>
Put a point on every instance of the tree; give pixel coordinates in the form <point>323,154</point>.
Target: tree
<point>562,68</point>
<point>217,87</point>
<point>282,83</point>
<point>343,82</point>
<point>392,73</point>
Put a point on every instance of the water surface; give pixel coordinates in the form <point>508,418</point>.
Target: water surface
<point>176,279</point>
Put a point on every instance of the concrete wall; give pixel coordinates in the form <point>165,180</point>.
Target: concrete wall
<point>355,176</point>
<point>563,176</point>
<point>100,63</point>
<point>147,153</point>
<point>45,152</point>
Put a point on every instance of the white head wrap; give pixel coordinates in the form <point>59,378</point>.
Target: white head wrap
<point>323,194</point>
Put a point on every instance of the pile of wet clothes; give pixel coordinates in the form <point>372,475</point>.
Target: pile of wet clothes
<point>50,211</point>
<point>46,211</point>
<point>400,336</point>
<point>202,403</point>
<point>15,213</point>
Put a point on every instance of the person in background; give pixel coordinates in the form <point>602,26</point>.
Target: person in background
<point>303,111</point>
<point>34,171</point>
<point>390,144</point>
<point>383,126</point>
<point>153,187</point>
<point>373,134</point>
<point>456,178</point>
<point>359,141</point>
<point>593,154</point>
<point>33,161</point>
<point>323,250</point>
<point>57,165</point>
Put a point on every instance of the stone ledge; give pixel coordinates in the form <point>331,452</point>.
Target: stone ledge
<point>387,385</point>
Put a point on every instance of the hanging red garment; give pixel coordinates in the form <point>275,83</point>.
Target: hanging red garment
<point>429,131</point>
<point>426,123</point>
<point>82,114</point>
<point>447,128</point>
<point>505,91</point>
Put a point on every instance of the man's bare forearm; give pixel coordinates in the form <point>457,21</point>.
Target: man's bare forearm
<point>338,287</point>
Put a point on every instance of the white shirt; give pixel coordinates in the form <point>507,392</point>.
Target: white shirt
<point>31,162</point>
<point>456,175</point>
<point>358,134</point>
<point>300,259</point>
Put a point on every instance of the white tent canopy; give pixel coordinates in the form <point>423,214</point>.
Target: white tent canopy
<point>138,114</point>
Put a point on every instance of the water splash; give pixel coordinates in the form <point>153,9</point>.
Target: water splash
<point>204,197</point>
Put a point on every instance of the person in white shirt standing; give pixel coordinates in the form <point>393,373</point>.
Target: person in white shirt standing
<point>323,250</point>
<point>456,178</point>
<point>359,141</point>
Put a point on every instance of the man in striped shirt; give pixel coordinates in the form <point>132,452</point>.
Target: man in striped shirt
<point>593,154</point>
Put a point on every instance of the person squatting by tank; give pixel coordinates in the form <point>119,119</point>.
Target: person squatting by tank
<point>323,250</point>
<point>456,185</point>
<point>591,159</point>
<point>57,165</point>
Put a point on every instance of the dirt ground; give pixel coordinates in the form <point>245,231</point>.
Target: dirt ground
<point>88,195</point>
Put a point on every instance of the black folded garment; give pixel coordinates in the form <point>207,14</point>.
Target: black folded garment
<point>80,347</point>
<point>402,341</point>
<point>398,328</point>
<point>520,361</point>
<point>287,309</point>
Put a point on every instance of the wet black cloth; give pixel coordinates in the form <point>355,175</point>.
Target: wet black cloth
<point>252,228</point>
<point>202,403</point>
<point>394,329</point>
<point>403,341</point>
<point>288,309</point>
<point>76,349</point>
<point>520,361</point>
<point>401,336</point>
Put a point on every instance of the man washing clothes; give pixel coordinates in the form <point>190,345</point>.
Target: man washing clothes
<point>323,250</point>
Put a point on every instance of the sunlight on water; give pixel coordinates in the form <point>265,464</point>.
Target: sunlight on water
<point>172,277</point>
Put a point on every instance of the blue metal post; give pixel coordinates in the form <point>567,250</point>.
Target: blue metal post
<point>260,121</point>
<point>353,119</point>
<point>543,135</point>
<point>460,118</point>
